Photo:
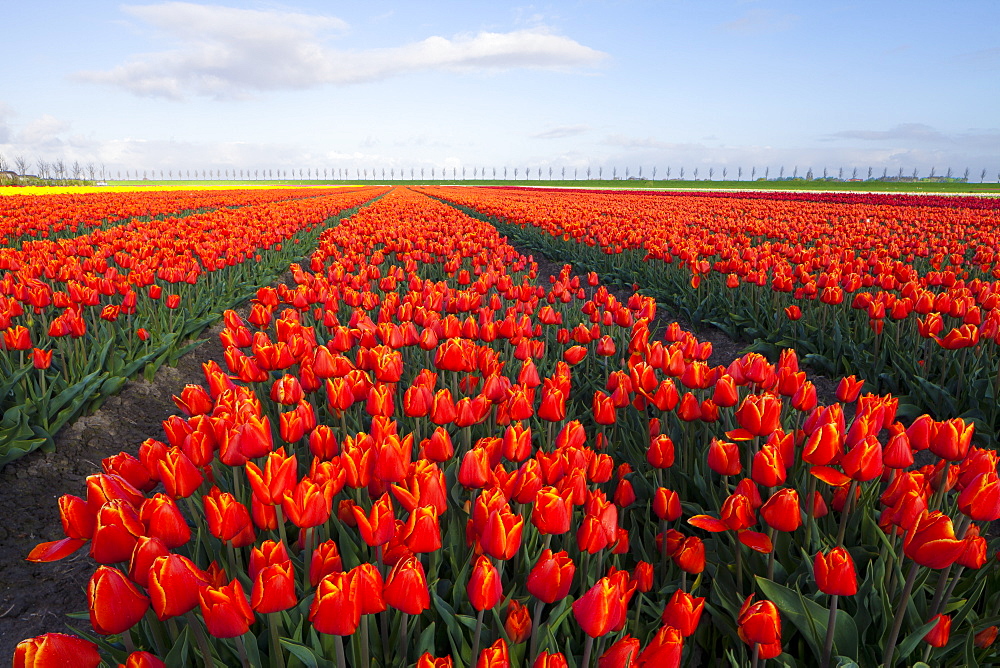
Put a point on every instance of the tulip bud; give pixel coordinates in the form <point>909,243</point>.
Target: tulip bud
<point>835,572</point>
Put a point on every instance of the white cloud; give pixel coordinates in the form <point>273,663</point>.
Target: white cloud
<point>44,130</point>
<point>562,132</point>
<point>228,52</point>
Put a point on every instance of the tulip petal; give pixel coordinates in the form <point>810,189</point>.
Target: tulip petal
<point>708,523</point>
<point>830,476</point>
<point>756,541</point>
<point>55,550</point>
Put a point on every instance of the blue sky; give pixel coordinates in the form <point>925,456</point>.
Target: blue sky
<point>576,84</point>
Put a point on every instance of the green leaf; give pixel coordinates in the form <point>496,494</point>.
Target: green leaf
<point>807,615</point>
<point>178,654</point>
<point>301,652</point>
<point>906,647</point>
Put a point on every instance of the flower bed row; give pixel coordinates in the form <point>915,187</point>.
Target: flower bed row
<point>64,215</point>
<point>80,316</point>
<point>905,296</point>
<point>419,455</point>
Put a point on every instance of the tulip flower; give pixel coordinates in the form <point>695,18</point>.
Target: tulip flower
<point>380,526</point>
<point>52,650</point>
<point>518,622</point>
<point>501,536</point>
<point>683,612</point>
<point>228,519</point>
<point>938,636</point>
<point>667,504</point>
<point>551,577</point>
<point>664,649</point>
<point>724,457</point>
<point>759,624</point>
<point>226,610</point>
<point>931,541</point>
<point>336,608</point>
<point>116,604</point>
<point>427,660</point>
<point>552,511</point>
<point>554,660</point>
<point>986,637</point>
<point>406,587</point>
<point>494,656</point>
<point>274,588</point>
<point>142,660</point>
<point>164,520</point>
<point>621,653</point>
<point>174,582</point>
<point>484,589</point>
<point>600,609</point>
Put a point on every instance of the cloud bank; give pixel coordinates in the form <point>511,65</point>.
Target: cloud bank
<point>225,52</point>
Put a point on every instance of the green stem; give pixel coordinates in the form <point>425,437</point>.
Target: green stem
<point>199,635</point>
<point>276,655</point>
<point>242,649</point>
<point>404,636</point>
<point>897,622</point>
<point>475,638</point>
<point>535,624</point>
<point>587,649</point>
<point>831,625</point>
<point>339,645</point>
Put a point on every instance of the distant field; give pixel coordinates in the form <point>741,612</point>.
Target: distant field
<point>834,186</point>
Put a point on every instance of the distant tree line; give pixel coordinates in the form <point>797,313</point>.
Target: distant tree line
<point>20,170</point>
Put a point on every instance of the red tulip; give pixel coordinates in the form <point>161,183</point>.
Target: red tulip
<point>620,654</point>
<point>501,535</point>
<point>552,511</point>
<point>759,623</point>
<point>174,582</point>
<point>664,650</point>
<point>380,526</point>
<point>683,612</point>
<point>782,511</point>
<point>226,610</point>
<point>601,609</point>
<point>518,622</point>
<point>116,604</point>
<point>427,660</point>
<point>931,541</point>
<point>56,650</point>
<point>336,608</point>
<point>554,660</point>
<point>406,587</point>
<point>667,504</point>
<point>164,520</point>
<point>835,572</point>
<point>494,656</point>
<point>484,589</point>
<point>142,660</point>
<point>551,577</point>
<point>939,635</point>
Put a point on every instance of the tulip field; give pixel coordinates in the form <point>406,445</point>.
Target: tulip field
<point>420,449</point>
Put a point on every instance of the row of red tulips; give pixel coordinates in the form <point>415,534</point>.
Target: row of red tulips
<point>81,315</point>
<point>27,217</point>
<point>418,453</point>
<point>905,295</point>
